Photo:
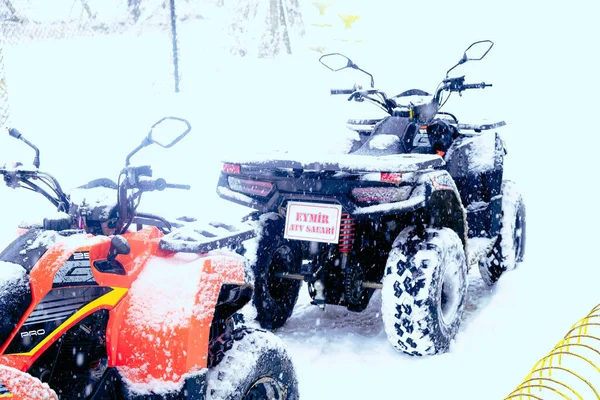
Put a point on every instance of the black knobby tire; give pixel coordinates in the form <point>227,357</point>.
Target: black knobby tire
<point>255,366</point>
<point>424,290</point>
<point>509,248</point>
<point>275,298</point>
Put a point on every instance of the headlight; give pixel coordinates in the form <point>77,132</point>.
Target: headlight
<point>257,188</point>
<point>372,195</point>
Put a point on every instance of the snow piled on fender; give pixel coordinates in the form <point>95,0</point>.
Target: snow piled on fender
<point>163,296</point>
<point>24,386</point>
<point>13,282</point>
<point>168,297</point>
<point>9,272</point>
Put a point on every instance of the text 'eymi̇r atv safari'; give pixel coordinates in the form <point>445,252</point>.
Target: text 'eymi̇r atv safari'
<point>418,199</point>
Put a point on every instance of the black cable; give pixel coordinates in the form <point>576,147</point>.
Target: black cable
<point>25,187</point>
<point>38,189</point>
<point>447,98</point>
<point>48,183</point>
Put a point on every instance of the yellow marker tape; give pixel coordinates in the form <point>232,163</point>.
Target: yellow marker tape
<point>348,19</point>
<point>321,6</point>
<point>526,384</point>
<point>570,347</point>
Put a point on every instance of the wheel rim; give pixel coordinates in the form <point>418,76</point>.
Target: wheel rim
<point>450,293</point>
<point>282,260</point>
<point>265,388</point>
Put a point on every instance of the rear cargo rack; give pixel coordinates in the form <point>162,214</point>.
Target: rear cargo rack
<point>195,237</point>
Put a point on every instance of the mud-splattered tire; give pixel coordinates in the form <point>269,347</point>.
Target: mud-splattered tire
<point>424,290</point>
<point>256,366</point>
<point>509,249</point>
<point>275,298</point>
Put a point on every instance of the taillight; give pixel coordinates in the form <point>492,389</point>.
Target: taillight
<point>381,194</point>
<point>232,168</point>
<point>257,188</point>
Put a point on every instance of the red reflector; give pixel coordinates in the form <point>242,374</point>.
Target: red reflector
<point>232,168</point>
<point>391,177</point>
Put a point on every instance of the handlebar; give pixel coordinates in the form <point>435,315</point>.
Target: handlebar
<point>159,184</point>
<point>178,186</point>
<point>342,91</point>
<point>476,85</point>
<point>31,179</point>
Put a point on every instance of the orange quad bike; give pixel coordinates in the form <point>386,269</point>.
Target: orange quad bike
<point>101,301</point>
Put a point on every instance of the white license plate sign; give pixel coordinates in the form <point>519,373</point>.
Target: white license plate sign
<point>313,222</point>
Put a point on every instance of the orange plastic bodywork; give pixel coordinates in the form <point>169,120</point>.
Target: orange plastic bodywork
<point>143,351</point>
<point>22,386</point>
<point>165,349</point>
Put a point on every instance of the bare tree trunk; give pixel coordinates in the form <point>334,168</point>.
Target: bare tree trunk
<point>12,10</point>
<point>282,20</point>
<point>134,9</point>
<point>293,15</point>
<point>4,110</point>
<point>87,9</point>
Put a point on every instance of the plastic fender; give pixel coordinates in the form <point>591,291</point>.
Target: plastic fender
<point>41,280</point>
<point>42,274</point>
<point>440,180</point>
<point>17,385</point>
<point>143,245</point>
<point>161,329</point>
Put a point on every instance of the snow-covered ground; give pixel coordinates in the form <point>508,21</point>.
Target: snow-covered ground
<point>87,102</point>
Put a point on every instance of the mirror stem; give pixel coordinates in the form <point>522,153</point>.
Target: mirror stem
<point>448,72</point>
<point>144,143</point>
<point>365,72</point>
<point>17,135</point>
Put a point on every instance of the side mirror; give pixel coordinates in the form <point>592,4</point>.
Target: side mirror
<point>478,50</point>
<point>475,52</point>
<point>165,133</point>
<point>169,131</point>
<point>118,245</point>
<point>336,61</point>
